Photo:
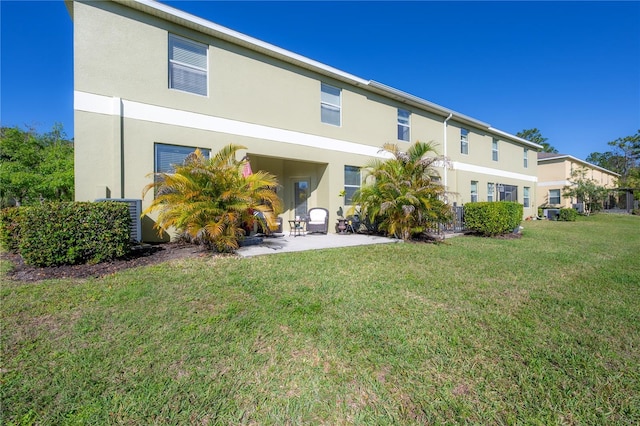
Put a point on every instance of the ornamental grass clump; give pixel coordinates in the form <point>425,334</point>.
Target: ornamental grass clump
<point>211,201</point>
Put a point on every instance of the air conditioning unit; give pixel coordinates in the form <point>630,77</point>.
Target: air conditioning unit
<point>551,214</point>
<point>135,210</point>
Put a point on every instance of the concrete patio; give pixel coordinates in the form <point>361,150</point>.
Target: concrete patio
<point>286,243</point>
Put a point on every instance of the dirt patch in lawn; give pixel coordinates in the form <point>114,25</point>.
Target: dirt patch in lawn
<point>149,255</point>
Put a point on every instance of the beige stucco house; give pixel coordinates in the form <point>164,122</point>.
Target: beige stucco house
<point>555,172</point>
<point>152,83</point>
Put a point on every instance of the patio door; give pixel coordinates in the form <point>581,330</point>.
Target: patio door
<point>300,195</point>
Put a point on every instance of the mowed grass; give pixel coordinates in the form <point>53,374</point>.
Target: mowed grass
<point>540,330</point>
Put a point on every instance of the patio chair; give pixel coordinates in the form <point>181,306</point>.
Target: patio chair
<point>317,220</point>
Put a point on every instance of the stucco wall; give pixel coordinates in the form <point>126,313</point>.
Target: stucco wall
<point>124,106</point>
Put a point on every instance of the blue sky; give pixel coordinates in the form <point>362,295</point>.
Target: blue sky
<point>571,69</point>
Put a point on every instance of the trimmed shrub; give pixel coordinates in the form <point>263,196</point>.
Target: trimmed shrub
<point>10,228</point>
<point>568,215</point>
<point>493,218</point>
<point>73,233</point>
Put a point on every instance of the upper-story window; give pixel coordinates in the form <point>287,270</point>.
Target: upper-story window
<point>330,104</point>
<point>187,65</point>
<point>494,149</point>
<point>526,158</point>
<point>464,141</point>
<point>404,125</point>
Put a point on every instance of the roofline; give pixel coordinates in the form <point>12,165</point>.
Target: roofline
<point>516,138</point>
<point>577,160</point>
<point>196,23</point>
<point>202,25</point>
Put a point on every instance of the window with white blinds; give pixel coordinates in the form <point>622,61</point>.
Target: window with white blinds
<point>187,65</point>
<point>474,191</point>
<point>352,183</point>
<point>404,125</point>
<point>464,141</point>
<point>330,104</point>
<point>167,156</point>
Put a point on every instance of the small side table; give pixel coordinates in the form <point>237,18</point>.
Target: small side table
<point>296,227</point>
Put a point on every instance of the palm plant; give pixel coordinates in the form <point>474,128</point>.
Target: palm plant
<point>404,195</point>
<point>211,201</point>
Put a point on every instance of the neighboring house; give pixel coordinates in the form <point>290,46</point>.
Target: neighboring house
<point>152,83</point>
<point>555,172</point>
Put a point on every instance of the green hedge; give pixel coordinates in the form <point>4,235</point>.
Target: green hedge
<point>493,218</point>
<point>73,233</point>
<point>568,215</point>
<point>10,228</point>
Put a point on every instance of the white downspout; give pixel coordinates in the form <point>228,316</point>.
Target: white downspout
<point>118,146</point>
<point>445,151</point>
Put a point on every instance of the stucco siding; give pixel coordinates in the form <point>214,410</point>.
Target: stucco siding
<point>555,174</point>
<point>261,100</point>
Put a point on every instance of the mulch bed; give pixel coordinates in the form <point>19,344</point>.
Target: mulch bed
<point>148,256</point>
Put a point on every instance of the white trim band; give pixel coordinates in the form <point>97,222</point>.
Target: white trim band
<point>139,111</point>
<point>490,171</point>
<point>554,183</point>
<point>99,104</point>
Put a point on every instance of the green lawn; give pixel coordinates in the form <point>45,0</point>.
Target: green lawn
<point>540,330</point>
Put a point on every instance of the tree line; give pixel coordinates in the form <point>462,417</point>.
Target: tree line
<point>35,166</point>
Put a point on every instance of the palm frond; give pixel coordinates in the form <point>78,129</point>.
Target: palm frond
<point>210,200</point>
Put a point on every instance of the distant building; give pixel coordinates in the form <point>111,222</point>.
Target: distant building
<point>152,83</point>
<point>555,172</point>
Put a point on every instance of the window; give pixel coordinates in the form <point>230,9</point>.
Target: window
<point>464,141</point>
<point>554,196</point>
<point>474,191</point>
<point>526,196</point>
<point>187,65</point>
<point>526,158</point>
<point>490,191</point>
<point>351,183</point>
<point>494,149</point>
<point>169,155</point>
<point>330,104</point>
<point>404,125</point>
<point>508,192</point>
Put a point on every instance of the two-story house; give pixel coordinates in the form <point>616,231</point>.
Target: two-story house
<point>556,171</point>
<point>152,83</point>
